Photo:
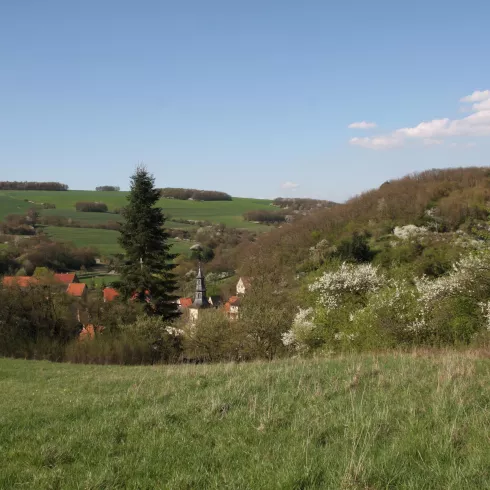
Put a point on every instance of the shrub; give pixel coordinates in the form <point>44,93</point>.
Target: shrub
<point>92,207</point>
<point>35,322</point>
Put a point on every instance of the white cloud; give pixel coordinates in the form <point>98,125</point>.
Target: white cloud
<point>434,132</point>
<point>476,96</point>
<point>362,125</point>
<point>289,185</point>
<point>432,142</point>
<point>378,143</point>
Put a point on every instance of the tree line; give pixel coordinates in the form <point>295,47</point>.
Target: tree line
<point>194,194</point>
<point>32,186</point>
<point>106,188</point>
<point>302,204</point>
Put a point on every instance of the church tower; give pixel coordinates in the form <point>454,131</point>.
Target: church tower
<point>200,297</point>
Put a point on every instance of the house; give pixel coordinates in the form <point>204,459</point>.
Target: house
<point>232,307</point>
<point>243,285</point>
<point>110,294</point>
<point>184,303</point>
<point>69,278</point>
<point>77,290</point>
<point>20,281</point>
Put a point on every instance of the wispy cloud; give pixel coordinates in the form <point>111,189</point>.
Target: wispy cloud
<point>289,185</point>
<point>362,125</point>
<point>436,130</point>
<point>432,142</point>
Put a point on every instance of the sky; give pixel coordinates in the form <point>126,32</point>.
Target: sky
<point>257,98</point>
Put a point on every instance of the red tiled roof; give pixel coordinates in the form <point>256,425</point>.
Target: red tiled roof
<point>75,289</point>
<point>20,281</point>
<point>185,302</point>
<point>65,278</point>
<point>110,294</point>
<point>234,300</point>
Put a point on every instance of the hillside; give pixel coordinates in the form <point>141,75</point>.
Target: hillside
<point>390,421</point>
<point>444,200</point>
<point>229,213</point>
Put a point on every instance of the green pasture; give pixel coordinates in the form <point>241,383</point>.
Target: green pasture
<point>226,212</point>
<point>391,421</point>
<point>10,205</point>
<point>105,241</point>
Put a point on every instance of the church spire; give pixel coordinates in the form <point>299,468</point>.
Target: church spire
<point>200,298</point>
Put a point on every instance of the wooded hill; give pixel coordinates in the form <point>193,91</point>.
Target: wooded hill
<point>443,200</point>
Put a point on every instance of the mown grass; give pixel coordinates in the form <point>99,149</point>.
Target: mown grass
<point>371,422</point>
<point>228,212</point>
<point>105,241</point>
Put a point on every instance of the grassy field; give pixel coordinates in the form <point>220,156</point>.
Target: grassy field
<point>370,422</point>
<point>9,205</point>
<point>227,212</point>
<point>105,241</point>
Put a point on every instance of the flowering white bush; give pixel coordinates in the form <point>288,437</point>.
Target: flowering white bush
<point>485,308</point>
<point>409,231</point>
<point>303,324</point>
<point>176,332</point>
<point>349,278</point>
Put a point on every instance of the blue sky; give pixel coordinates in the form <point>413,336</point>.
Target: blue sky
<point>253,98</point>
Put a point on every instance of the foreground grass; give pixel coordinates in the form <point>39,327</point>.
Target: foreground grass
<point>393,421</point>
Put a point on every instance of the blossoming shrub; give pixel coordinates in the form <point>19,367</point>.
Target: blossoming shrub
<point>356,307</point>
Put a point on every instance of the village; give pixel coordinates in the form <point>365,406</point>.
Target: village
<point>69,284</point>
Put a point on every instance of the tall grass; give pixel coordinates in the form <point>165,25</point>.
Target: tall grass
<point>408,421</point>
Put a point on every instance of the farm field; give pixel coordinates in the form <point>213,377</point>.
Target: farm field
<point>226,212</point>
<point>10,205</point>
<point>404,421</point>
<point>105,241</point>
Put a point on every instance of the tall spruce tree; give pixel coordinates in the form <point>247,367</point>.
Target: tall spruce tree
<point>146,274</point>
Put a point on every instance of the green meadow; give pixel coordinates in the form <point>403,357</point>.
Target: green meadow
<point>105,241</point>
<point>226,212</point>
<point>11,205</point>
<point>404,421</point>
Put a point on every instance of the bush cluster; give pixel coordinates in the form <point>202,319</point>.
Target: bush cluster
<point>113,188</point>
<point>195,194</point>
<point>265,216</point>
<point>91,207</point>
<point>32,186</point>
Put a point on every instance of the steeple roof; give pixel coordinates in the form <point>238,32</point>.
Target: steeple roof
<point>200,297</point>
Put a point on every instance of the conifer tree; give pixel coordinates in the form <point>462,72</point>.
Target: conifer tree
<point>146,274</point>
